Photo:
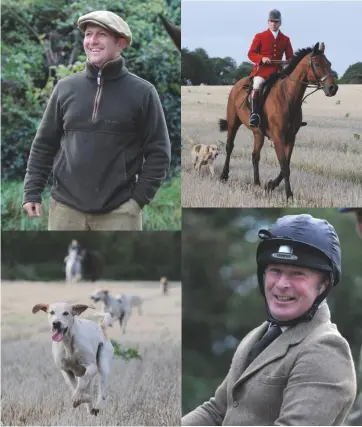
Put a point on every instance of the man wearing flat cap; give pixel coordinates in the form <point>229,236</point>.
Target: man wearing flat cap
<point>295,369</point>
<point>104,137</point>
<point>269,45</point>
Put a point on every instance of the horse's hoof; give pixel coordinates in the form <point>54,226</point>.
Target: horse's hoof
<point>94,411</point>
<point>224,177</point>
<point>269,186</point>
<point>257,183</point>
<point>290,196</point>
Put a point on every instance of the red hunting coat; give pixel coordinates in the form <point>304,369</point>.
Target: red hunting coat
<point>265,45</point>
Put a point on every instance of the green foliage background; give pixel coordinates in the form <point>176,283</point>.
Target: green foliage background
<point>32,255</point>
<point>221,300</point>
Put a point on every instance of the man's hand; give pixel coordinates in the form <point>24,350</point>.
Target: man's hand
<point>32,209</point>
<point>266,60</point>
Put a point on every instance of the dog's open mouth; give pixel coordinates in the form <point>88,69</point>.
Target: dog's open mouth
<point>58,334</point>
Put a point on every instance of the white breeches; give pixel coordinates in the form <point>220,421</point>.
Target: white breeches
<point>257,82</point>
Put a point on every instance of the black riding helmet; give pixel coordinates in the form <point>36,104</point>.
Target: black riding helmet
<point>303,241</point>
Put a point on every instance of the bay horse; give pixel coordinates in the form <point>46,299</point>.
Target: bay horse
<point>282,111</point>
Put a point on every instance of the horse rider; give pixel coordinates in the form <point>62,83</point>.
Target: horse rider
<point>266,46</point>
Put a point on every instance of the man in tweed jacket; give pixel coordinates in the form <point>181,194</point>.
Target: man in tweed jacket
<point>305,376</point>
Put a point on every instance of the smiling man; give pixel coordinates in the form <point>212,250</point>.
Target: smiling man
<point>296,369</point>
<point>104,137</point>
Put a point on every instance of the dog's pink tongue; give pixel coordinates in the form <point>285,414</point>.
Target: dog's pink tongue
<point>57,336</point>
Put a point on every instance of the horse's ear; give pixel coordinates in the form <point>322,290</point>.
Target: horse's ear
<point>315,49</point>
<point>321,47</point>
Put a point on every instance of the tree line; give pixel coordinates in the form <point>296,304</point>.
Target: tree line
<point>199,68</point>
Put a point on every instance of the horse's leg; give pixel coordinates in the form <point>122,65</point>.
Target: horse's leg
<point>288,152</point>
<point>255,157</point>
<point>282,151</point>
<point>233,126</point>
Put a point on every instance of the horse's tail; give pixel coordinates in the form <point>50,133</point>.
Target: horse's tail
<point>223,125</point>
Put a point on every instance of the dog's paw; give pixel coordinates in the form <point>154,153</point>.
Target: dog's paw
<point>79,398</point>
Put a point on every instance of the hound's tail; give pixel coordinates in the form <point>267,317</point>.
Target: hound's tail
<point>105,322</point>
<point>223,125</point>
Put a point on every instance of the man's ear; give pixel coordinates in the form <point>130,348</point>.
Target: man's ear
<point>323,285</point>
<point>122,43</point>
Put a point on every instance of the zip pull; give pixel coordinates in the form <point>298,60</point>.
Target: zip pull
<point>99,77</point>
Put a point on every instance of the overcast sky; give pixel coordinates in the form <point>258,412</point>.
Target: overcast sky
<point>226,28</point>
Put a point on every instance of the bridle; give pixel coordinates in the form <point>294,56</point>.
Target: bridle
<point>318,83</point>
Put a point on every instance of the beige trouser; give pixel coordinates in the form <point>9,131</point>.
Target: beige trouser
<point>126,217</point>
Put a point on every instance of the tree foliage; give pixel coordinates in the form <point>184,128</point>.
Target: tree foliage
<point>353,74</point>
<point>198,67</point>
<point>41,43</point>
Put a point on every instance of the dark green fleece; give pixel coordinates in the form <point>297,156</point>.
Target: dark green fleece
<point>104,135</point>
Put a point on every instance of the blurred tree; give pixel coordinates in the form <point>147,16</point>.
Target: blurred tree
<point>353,74</point>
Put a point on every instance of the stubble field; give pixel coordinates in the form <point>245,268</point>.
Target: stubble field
<point>140,392</point>
<point>325,166</point>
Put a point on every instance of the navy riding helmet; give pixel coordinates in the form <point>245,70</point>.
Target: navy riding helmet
<point>303,241</point>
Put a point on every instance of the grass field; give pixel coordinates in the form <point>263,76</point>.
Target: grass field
<point>140,392</point>
<point>325,166</point>
<point>164,213</point>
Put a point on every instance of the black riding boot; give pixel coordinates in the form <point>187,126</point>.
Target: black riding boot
<point>254,117</point>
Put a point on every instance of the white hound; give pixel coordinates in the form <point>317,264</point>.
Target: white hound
<point>115,307</point>
<point>130,301</point>
<point>80,350</point>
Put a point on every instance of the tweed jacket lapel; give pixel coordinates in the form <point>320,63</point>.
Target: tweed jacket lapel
<point>278,348</point>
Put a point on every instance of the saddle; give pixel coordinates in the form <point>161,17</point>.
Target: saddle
<point>266,88</point>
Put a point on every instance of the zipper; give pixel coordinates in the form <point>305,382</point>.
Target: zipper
<point>98,96</point>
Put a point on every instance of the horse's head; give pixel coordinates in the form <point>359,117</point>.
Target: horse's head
<point>320,72</point>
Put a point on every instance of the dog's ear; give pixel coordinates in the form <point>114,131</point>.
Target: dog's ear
<point>78,309</point>
<point>106,292</point>
<point>207,149</point>
<point>41,306</point>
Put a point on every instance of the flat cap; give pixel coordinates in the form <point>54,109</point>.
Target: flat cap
<point>108,20</point>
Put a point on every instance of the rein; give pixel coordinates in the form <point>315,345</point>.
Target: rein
<point>318,85</point>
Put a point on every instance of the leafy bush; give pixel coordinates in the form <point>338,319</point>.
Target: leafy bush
<point>164,213</point>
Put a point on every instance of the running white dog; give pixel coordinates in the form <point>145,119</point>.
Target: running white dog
<point>117,308</point>
<point>80,349</point>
